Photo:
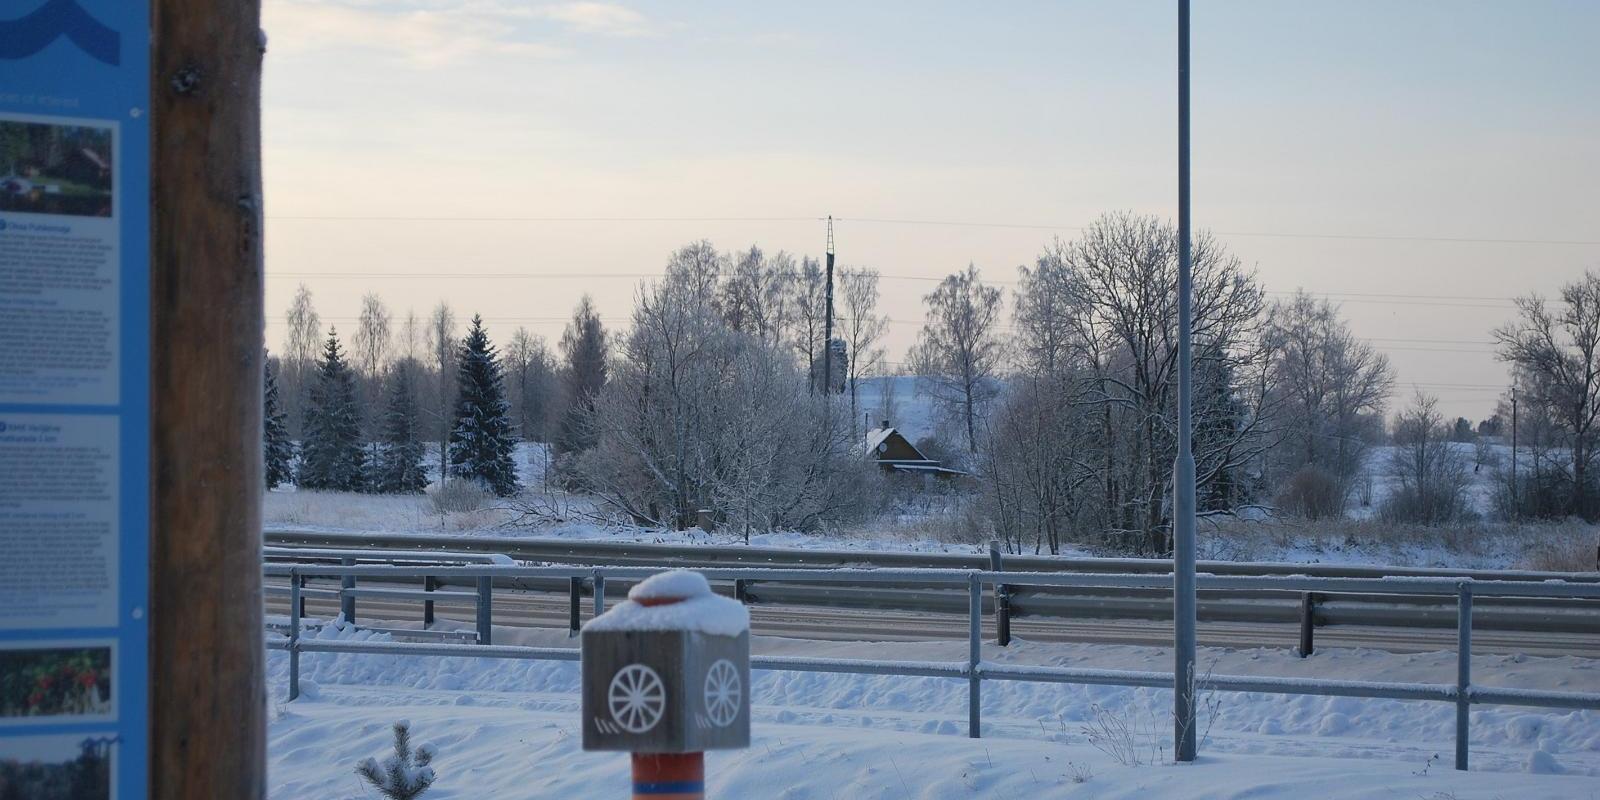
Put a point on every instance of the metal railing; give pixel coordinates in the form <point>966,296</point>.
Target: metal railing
<point>1308,610</point>
<point>1462,693</point>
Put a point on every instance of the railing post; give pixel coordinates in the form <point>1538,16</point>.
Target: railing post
<point>741,591</point>
<point>574,597</point>
<point>302,604</point>
<point>296,599</point>
<point>485,610</point>
<point>1463,671</point>
<point>347,603</point>
<point>1002,598</point>
<point>974,652</point>
<point>427,605</point>
<point>1308,610</point>
<point>599,593</point>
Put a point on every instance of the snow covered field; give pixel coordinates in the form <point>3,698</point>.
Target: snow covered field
<point>510,729</point>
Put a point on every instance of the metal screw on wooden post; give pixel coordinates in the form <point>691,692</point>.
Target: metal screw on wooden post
<point>974,654</point>
<point>1463,671</point>
<point>1307,613</point>
<point>485,610</point>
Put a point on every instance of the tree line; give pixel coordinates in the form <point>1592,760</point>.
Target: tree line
<point>1057,397</point>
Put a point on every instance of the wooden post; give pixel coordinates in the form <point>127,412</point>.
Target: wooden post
<point>207,688</point>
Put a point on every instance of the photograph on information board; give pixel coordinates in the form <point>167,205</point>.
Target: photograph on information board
<point>58,768</point>
<point>55,169</point>
<point>40,682</point>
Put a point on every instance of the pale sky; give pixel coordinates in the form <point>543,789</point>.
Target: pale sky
<point>1420,162</point>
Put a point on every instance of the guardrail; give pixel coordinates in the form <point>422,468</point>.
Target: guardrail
<point>975,670</point>
<point>1310,610</point>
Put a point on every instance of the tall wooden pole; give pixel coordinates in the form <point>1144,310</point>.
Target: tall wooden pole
<point>207,699</point>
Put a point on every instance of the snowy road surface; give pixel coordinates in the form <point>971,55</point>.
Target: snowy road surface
<point>510,730</point>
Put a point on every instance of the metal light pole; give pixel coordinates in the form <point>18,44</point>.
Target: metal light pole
<point>1183,515</point>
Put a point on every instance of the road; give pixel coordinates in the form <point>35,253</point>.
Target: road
<point>531,610</point>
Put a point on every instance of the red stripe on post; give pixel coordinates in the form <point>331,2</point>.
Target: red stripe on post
<point>669,768</point>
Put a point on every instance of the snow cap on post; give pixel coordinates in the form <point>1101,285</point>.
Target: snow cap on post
<point>679,600</point>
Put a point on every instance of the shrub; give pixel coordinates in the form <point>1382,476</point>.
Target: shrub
<point>458,496</point>
<point>1312,493</point>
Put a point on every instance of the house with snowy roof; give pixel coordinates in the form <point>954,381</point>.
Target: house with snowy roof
<point>895,454</point>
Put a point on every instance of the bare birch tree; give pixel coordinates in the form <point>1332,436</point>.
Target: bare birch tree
<point>959,351</point>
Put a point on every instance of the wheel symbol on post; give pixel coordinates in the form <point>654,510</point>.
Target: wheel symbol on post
<point>724,693</point>
<point>637,698</point>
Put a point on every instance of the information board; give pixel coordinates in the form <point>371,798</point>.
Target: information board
<point>74,397</point>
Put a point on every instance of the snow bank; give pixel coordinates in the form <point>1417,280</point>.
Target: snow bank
<point>1236,722</point>
<point>698,609</point>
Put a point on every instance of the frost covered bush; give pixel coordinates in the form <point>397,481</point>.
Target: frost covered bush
<point>707,411</point>
<point>458,496</point>
<point>406,774</point>
<point>1430,474</point>
<point>1312,493</point>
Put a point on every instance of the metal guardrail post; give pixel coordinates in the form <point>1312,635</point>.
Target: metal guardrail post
<point>974,653</point>
<point>301,582</point>
<point>1463,671</point>
<point>574,597</point>
<point>599,593</point>
<point>1308,610</point>
<point>486,611</point>
<point>741,591</point>
<point>1002,598</point>
<point>295,601</point>
<point>428,585</point>
<point>347,602</point>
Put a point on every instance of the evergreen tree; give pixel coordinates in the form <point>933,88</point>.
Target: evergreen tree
<point>399,468</point>
<point>584,346</point>
<point>482,441</point>
<point>331,455</point>
<point>276,447</point>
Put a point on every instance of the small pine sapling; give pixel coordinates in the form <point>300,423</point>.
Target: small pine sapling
<point>406,774</point>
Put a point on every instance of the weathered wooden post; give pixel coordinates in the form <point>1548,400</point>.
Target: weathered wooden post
<point>139,235</point>
<point>208,691</point>
<point>666,676</point>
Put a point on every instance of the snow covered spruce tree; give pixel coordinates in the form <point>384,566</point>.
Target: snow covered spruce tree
<point>276,447</point>
<point>406,774</point>
<point>399,468</point>
<point>482,443</point>
<point>331,456</point>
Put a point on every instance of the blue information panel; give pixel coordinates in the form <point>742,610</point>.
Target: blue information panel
<point>74,397</point>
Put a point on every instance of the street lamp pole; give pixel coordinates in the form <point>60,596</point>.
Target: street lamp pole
<point>1183,517</point>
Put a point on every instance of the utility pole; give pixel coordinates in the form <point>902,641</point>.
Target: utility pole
<point>1515,509</point>
<point>1183,521</point>
<point>827,325</point>
<point>207,675</point>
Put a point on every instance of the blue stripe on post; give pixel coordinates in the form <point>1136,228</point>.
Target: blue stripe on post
<point>669,787</point>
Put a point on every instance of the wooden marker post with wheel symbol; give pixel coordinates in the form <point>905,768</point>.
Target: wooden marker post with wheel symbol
<point>666,676</point>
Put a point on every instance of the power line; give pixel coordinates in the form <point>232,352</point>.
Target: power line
<point>946,223</point>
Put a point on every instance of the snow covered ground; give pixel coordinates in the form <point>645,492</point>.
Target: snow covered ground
<point>510,729</point>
